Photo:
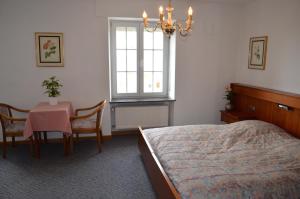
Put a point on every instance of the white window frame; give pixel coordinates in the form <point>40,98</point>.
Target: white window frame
<point>113,23</point>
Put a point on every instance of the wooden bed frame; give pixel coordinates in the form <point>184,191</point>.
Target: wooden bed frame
<point>277,107</point>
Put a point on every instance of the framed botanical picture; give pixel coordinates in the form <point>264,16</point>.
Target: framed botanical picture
<point>257,52</point>
<point>49,49</point>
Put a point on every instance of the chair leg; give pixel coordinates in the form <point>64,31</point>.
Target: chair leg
<point>4,147</point>
<point>101,135</point>
<point>77,137</point>
<point>99,142</point>
<point>13,142</point>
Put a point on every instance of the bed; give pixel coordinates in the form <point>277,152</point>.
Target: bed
<point>248,159</point>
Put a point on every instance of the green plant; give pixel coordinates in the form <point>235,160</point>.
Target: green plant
<point>228,94</point>
<point>52,86</point>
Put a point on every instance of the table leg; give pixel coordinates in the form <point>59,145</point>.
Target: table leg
<point>45,137</point>
<point>32,146</point>
<point>40,136</point>
<point>71,143</point>
<point>65,142</point>
<point>66,145</point>
<point>37,148</point>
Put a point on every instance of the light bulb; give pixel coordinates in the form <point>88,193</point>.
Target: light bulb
<point>161,10</point>
<point>190,11</point>
<point>145,14</point>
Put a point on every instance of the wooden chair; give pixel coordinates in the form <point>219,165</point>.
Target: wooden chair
<point>89,123</point>
<point>11,126</point>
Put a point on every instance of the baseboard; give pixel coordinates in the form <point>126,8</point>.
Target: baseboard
<point>124,132</point>
<point>130,131</point>
<point>60,140</point>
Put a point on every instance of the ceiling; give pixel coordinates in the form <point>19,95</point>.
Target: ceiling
<point>227,1</point>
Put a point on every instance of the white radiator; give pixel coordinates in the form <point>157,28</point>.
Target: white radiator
<point>146,116</point>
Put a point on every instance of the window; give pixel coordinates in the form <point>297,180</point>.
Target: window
<point>139,60</point>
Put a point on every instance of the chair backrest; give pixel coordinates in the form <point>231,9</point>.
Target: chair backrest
<point>100,108</point>
<point>5,110</point>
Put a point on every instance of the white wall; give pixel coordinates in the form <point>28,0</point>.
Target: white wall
<point>85,75</point>
<point>205,63</point>
<point>205,60</point>
<point>280,20</point>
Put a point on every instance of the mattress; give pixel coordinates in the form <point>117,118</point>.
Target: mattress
<point>247,159</point>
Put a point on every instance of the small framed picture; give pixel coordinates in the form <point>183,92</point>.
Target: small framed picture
<point>49,49</point>
<point>257,52</point>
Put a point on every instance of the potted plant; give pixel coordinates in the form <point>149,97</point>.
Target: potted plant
<point>52,86</point>
<point>229,97</point>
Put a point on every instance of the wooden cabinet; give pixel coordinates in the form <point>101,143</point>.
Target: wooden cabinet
<point>235,116</point>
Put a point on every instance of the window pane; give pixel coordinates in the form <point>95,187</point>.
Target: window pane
<point>121,60</point>
<point>158,81</point>
<point>158,40</point>
<point>131,60</point>
<point>148,60</point>
<point>148,83</point>
<point>148,40</point>
<point>121,82</point>
<point>121,37</point>
<point>131,82</point>
<point>138,72</point>
<point>158,60</point>
<point>131,37</point>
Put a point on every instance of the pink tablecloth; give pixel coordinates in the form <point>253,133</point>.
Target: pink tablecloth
<point>45,117</point>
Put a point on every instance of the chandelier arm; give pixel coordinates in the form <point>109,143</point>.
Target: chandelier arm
<point>152,28</point>
<point>183,30</point>
<point>183,33</point>
<point>186,28</point>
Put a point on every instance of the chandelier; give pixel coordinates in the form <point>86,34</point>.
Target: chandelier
<point>169,26</point>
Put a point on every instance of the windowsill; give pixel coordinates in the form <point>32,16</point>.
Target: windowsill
<point>137,100</point>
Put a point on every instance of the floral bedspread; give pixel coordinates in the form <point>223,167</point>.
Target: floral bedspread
<point>248,159</point>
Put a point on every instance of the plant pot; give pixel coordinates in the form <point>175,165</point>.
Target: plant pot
<point>228,107</point>
<point>53,101</point>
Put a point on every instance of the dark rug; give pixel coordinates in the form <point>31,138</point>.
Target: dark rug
<point>118,172</point>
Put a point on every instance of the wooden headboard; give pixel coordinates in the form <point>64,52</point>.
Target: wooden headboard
<point>277,107</point>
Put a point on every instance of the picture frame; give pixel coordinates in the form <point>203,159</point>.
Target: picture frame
<point>257,52</point>
<point>49,49</point>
